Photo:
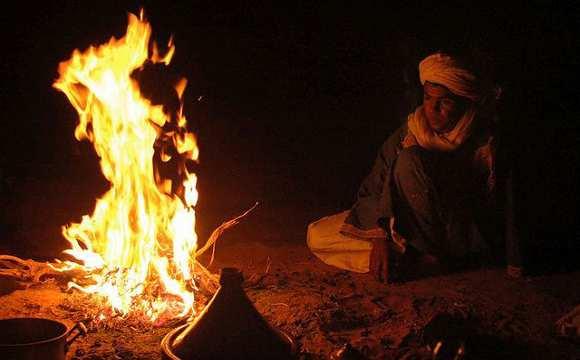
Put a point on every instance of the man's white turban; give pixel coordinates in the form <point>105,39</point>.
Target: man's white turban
<point>444,70</point>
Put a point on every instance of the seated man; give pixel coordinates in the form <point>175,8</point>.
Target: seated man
<point>430,191</point>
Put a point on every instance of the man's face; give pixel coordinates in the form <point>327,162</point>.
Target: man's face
<point>442,108</point>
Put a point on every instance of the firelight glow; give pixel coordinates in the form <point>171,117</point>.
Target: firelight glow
<point>138,246</point>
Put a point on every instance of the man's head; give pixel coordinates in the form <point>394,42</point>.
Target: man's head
<point>442,107</point>
<point>449,90</point>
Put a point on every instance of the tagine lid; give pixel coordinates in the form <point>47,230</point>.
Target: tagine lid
<point>230,327</point>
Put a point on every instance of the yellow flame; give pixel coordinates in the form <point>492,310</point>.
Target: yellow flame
<point>180,87</point>
<point>140,238</point>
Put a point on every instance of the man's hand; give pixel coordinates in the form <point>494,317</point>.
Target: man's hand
<point>398,240</point>
<point>379,261</point>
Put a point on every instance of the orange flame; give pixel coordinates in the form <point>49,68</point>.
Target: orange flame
<point>139,244</point>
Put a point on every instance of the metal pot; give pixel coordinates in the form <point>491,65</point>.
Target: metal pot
<point>34,338</point>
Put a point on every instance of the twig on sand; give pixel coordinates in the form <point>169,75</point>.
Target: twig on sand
<point>268,266</point>
<point>281,304</point>
<point>255,280</point>
<point>569,324</point>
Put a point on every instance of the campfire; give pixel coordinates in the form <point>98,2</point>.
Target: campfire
<point>136,253</point>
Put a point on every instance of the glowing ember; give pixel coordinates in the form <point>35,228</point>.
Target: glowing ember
<point>138,247</point>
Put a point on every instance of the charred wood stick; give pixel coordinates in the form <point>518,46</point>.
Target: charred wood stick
<point>220,229</point>
<point>26,270</point>
<point>208,281</point>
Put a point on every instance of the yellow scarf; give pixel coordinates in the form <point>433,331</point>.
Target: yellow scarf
<point>420,133</point>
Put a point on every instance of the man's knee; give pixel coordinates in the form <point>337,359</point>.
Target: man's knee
<point>312,236</point>
<point>410,161</point>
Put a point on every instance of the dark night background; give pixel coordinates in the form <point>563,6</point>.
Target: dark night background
<point>296,101</point>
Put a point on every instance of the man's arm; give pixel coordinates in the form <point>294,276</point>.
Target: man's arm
<point>370,207</point>
<point>379,258</point>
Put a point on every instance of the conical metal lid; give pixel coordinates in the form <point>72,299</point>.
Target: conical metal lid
<point>230,327</point>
